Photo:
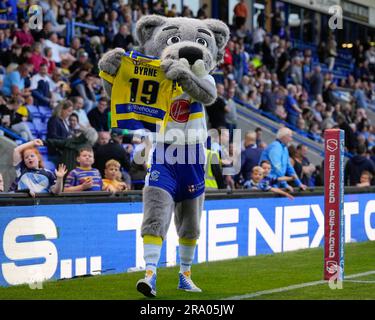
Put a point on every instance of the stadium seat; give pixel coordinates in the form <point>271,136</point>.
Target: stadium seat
<point>32,128</point>
<point>49,164</point>
<point>34,112</point>
<point>45,112</point>
<point>43,150</point>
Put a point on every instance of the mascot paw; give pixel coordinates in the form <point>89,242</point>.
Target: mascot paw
<point>111,61</point>
<point>176,69</point>
<point>199,69</point>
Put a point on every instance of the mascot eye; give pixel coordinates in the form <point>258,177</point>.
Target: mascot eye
<point>173,40</point>
<point>202,42</point>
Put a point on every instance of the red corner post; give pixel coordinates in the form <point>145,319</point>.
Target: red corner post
<point>334,236</point>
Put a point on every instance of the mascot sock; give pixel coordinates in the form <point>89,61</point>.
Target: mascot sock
<point>152,247</point>
<point>186,251</point>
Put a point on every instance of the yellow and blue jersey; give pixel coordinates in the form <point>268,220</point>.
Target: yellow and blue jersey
<point>141,94</point>
<point>143,98</point>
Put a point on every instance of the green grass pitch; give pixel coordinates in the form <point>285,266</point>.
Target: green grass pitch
<point>225,279</point>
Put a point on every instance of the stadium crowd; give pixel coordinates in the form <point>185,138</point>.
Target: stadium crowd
<point>52,97</point>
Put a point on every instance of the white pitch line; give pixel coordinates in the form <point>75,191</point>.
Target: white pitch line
<point>294,287</point>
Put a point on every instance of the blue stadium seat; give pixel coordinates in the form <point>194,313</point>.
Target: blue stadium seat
<point>45,112</point>
<point>32,128</point>
<point>43,150</point>
<point>34,112</point>
<point>49,164</point>
<point>39,124</point>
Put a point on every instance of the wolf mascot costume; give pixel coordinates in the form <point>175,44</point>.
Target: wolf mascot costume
<point>188,50</point>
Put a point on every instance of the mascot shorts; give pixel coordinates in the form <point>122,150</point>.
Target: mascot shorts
<point>178,169</point>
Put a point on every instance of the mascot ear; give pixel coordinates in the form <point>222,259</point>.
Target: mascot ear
<point>221,33</point>
<point>145,27</point>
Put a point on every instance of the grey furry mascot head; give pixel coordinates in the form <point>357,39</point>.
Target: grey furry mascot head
<point>188,48</point>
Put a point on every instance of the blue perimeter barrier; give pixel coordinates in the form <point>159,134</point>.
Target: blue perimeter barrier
<point>44,240</point>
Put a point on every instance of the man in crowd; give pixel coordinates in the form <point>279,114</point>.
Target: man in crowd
<point>278,155</point>
<point>250,156</point>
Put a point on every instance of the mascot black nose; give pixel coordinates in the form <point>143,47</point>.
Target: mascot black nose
<point>191,54</point>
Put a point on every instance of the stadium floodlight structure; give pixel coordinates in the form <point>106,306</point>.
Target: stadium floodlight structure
<point>334,237</point>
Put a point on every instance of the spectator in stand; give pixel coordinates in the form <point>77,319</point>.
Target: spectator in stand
<point>24,37</point>
<point>14,82</point>
<point>69,148</point>
<point>357,165</point>
<point>58,126</point>
<point>5,14</point>
<point>365,180</point>
<point>84,177</point>
<point>103,138</point>
<point>79,65</point>
<point>256,175</point>
<point>250,155</point>
<point>85,89</point>
<point>123,39</point>
<point>12,119</point>
<point>316,82</point>
<point>40,86</point>
<point>172,13</point>
<point>112,150</point>
<point>31,176</point>
<point>75,46</point>
<point>350,137</point>
<point>239,62</point>
<point>12,56</point>
<point>267,55</point>
<point>202,12</point>
<point>74,125</point>
<point>360,96</point>
<point>216,111</point>
<point>78,105</point>
<point>258,39</point>
<point>59,52</point>
<point>315,132</point>
<point>277,154</point>
<point>291,106</point>
<point>243,88</point>
<point>307,168</point>
<point>36,58</point>
<point>283,63</point>
<point>331,51</point>
<point>268,100</point>
<point>231,113</point>
<point>60,87</point>
<point>112,181</point>
<point>47,59</point>
<point>98,116</point>
<point>296,71</point>
<point>301,127</point>
<point>268,184</point>
<point>241,13</point>
<point>259,137</point>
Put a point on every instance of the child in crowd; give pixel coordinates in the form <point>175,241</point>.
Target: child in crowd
<point>112,177</point>
<point>30,173</point>
<point>84,177</point>
<point>256,177</point>
<point>365,179</point>
<point>261,181</point>
<point>267,183</point>
<point>1,183</point>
